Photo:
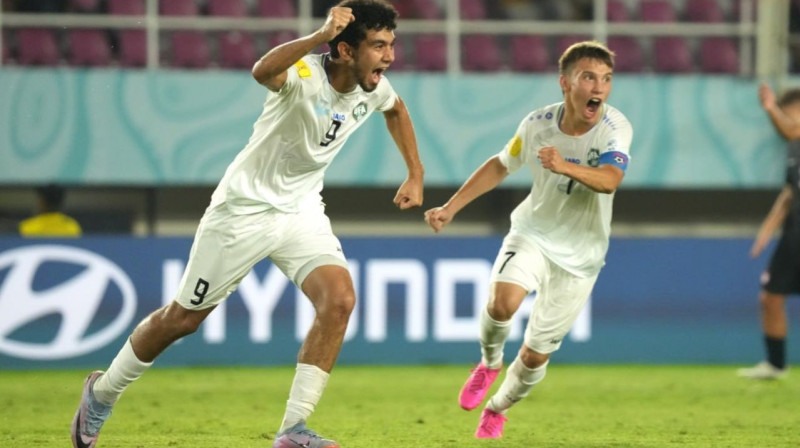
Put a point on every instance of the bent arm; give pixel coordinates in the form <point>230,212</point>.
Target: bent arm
<point>786,126</point>
<point>602,179</point>
<point>485,178</point>
<point>270,70</point>
<point>773,220</point>
<point>398,121</point>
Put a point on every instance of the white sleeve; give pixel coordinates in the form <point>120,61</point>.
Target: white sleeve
<point>301,80</point>
<point>515,152</point>
<point>386,96</point>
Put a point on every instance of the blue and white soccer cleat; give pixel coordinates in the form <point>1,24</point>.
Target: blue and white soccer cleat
<point>298,436</point>
<point>90,416</point>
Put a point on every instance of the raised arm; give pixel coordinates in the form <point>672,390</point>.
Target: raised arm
<point>773,220</point>
<point>270,70</point>
<point>399,123</point>
<point>602,179</point>
<point>484,179</point>
<point>785,125</point>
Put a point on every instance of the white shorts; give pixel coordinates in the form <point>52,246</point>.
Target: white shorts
<point>227,246</point>
<point>560,295</point>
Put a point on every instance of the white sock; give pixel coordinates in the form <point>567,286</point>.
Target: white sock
<point>124,369</point>
<point>517,384</point>
<point>309,382</point>
<point>493,335</point>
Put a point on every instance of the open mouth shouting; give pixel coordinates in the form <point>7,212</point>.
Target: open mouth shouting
<point>592,108</point>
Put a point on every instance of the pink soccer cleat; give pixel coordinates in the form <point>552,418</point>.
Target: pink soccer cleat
<point>491,425</point>
<point>478,383</point>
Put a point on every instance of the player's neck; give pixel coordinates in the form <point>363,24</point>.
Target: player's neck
<point>570,123</point>
<point>340,77</point>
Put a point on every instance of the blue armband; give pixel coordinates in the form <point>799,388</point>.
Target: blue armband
<point>616,158</point>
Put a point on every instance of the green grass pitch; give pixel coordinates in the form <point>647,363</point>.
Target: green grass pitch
<point>575,406</point>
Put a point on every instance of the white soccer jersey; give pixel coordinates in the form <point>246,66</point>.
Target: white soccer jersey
<point>301,129</point>
<point>567,220</point>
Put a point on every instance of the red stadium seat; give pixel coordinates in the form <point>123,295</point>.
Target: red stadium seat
<point>281,37</point>
<point>564,42</point>
<point>672,55</point>
<point>530,54</point>
<point>132,48</point>
<point>89,47</point>
<point>427,9</point>
<point>84,5</point>
<point>704,11</point>
<point>237,50</point>
<point>719,55</point>
<point>480,53</point>
<point>629,56</point>
<point>127,7</point>
<point>227,8</point>
<point>277,8</point>
<point>401,62</point>
<point>472,9</point>
<point>37,46</point>
<point>431,51</point>
<point>404,8</point>
<point>178,8</point>
<point>190,50</point>
<point>6,51</point>
<point>657,11</point>
<point>617,11</point>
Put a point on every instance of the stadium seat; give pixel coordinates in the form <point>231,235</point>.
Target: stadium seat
<point>281,37</point>
<point>617,11</point>
<point>480,53</point>
<point>37,46</point>
<point>6,50</point>
<point>227,8</point>
<point>401,62</point>
<point>672,55</point>
<point>404,8</point>
<point>427,9</point>
<point>178,8</point>
<point>472,9</point>
<point>629,57</point>
<point>431,52</point>
<point>132,48</point>
<point>277,8</point>
<point>563,42</point>
<point>89,47</point>
<point>529,54</point>
<point>657,11</point>
<point>704,11</point>
<point>84,5</point>
<point>237,50</point>
<point>719,55</point>
<point>190,50</point>
<point>127,7</point>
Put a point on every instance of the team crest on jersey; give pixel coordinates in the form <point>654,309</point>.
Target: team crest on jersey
<point>594,157</point>
<point>360,110</point>
<point>515,146</point>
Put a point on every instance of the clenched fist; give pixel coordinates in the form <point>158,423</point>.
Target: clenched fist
<point>337,21</point>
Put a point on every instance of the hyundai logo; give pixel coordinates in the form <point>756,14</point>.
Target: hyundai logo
<point>76,300</point>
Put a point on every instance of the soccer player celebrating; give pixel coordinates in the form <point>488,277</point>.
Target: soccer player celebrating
<point>268,205</point>
<point>577,152</point>
<point>782,277</point>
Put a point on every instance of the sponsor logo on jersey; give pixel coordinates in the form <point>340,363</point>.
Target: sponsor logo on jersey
<point>573,160</point>
<point>78,286</point>
<point>339,117</point>
<point>302,69</point>
<point>515,146</point>
<point>360,110</point>
<point>594,157</point>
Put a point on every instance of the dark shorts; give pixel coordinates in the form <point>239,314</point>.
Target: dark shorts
<point>783,274</point>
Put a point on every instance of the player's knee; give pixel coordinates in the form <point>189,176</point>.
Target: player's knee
<point>500,310</point>
<point>532,359</point>
<point>180,321</point>
<point>338,303</point>
<point>771,302</point>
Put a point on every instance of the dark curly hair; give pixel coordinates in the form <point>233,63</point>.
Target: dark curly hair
<point>369,15</point>
<point>586,49</point>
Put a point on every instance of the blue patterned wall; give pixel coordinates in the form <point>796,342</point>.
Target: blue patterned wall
<point>139,127</point>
